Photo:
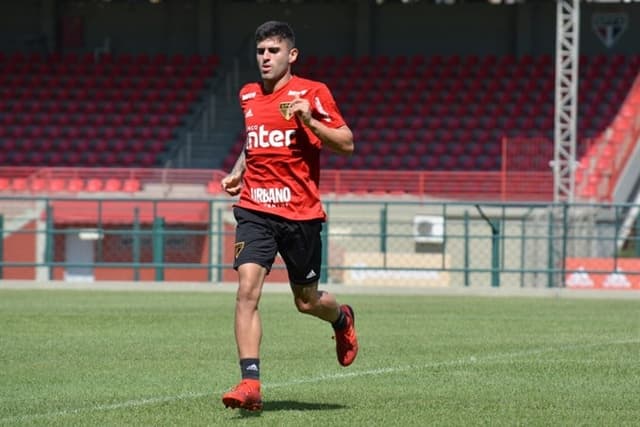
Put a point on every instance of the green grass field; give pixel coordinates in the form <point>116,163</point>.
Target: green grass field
<point>145,358</point>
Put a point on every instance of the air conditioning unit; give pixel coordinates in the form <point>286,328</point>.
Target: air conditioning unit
<point>428,229</point>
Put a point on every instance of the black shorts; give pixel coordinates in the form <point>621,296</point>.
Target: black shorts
<point>259,236</point>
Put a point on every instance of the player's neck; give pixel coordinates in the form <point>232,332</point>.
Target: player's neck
<point>272,86</point>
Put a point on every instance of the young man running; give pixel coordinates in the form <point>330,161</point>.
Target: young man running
<point>288,120</point>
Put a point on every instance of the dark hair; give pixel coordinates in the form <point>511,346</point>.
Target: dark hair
<point>275,29</point>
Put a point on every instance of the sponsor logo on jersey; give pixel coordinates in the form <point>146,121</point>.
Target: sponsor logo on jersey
<point>264,138</point>
<point>248,114</point>
<point>249,95</point>
<point>284,110</point>
<point>297,92</point>
<point>271,196</point>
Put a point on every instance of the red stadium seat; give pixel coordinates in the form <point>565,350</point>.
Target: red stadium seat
<point>131,185</point>
<point>19,184</point>
<point>38,184</point>
<point>94,185</point>
<point>75,185</point>
<point>113,184</point>
<point>56,184</point>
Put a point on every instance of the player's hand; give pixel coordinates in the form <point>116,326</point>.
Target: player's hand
<point>232,184</point>
<point>301,108</point>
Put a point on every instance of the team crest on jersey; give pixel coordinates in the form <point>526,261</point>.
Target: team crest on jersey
<point>284,110</point>
<point>239,246</point>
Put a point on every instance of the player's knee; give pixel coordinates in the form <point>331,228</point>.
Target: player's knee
<point>305,305</point>
<point>247,295</point>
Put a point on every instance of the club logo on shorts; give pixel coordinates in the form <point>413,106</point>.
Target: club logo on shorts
<point>284,110</point>
<point>238,247</point>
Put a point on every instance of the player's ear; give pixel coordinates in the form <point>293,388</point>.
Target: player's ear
<point>293,55</point>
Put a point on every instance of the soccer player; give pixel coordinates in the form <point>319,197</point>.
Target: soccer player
<point>287,119</point>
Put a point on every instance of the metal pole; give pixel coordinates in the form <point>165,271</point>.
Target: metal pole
<point>324,270</point>
<point>158,247</point>
<point>466,247</point>
<point>550,250</point>
<point>220,245</point>
<point>566,98</point>
<point>565,232</point>
<point>1,246</point>
<point>636,238</point>
<point>523,249</point>
<point>495,253</point>
<point>495,247</point>
<point>383,234</point>
<point>48,251</point>
<point>136,244</point>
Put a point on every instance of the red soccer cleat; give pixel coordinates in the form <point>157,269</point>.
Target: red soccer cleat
<point>346,340</point>
<point>245,395</point>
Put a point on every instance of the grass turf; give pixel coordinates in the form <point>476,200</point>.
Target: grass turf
<point>141,358</point>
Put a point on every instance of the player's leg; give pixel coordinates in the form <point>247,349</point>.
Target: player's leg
<point>248,327</point>
<point>248,333</point>
<point>300,245</point>
<point>323,305</point>
<point>254,254</point>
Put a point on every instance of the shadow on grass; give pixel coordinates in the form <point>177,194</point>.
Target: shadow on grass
<point>291,405</point>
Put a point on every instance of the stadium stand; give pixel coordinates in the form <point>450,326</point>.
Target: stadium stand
<point>71,110</point>
<point>99,181</point>
<point>602,165</point>
<point>424,114</point>
<point>480,113</point>
<point>452,112</point>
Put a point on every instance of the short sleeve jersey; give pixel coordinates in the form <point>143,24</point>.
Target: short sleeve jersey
<point>282,174</point>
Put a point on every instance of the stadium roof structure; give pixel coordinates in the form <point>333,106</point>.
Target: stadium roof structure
<point>495,2</point>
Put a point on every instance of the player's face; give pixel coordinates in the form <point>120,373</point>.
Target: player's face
<point>274,56</point>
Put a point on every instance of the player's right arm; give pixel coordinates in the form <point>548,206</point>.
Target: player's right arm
<point>232,183</point>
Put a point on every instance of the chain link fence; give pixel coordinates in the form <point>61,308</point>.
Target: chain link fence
<point>366,242</point>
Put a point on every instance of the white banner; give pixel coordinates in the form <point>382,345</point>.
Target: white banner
<point>396,269</point>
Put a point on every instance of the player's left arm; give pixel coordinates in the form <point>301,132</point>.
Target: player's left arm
<point>338,139</point>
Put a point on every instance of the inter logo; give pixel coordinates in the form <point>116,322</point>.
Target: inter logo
<point>264,138</point>
<point>284,110</point>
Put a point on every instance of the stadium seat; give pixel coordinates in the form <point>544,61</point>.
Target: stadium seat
<point>38,184</point>
<point>113,184</point>
<point>131,185</point>
<point>71,96</point>
<point>75,185</point>
<point>94,185</point>
<point>56,184</point>
<point>19,184</point>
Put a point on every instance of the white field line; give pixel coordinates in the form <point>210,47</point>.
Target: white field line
<point>471,360</point>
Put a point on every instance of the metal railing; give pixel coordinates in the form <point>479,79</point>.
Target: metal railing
<point>379,243</point>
